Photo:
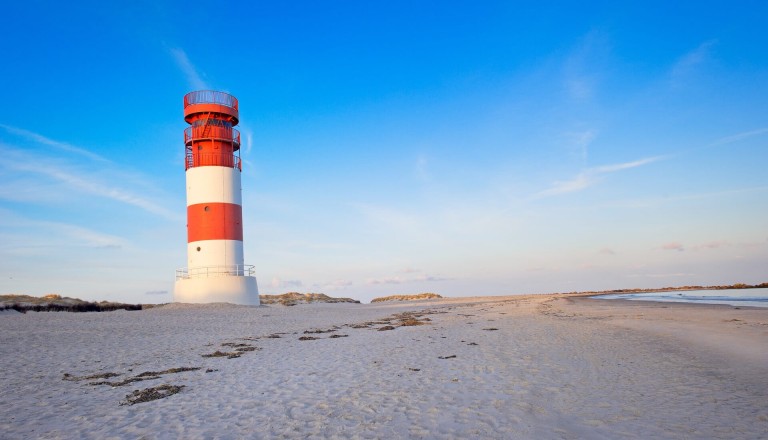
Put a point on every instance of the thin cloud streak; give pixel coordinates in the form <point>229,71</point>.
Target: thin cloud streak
<point>590,177</point>
<point>43,230</point>
<point>654,202</point>
<point>673,246</point>
<point>88,186</point>
<point>189,70</point>
<point>280,283</point>
<point>332,285</point>
<point>36,137</point>
<point>401,280</point>
<point>582,69</point>
<point>686,64</point>
<point>581,140</point>
<point>113,193</point>
<point>739,136</point>
<point>87,237</point>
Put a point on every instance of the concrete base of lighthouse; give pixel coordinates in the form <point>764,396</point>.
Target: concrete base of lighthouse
<point>231,289</point>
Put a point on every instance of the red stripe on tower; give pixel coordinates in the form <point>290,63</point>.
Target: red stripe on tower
<point>214,221</point>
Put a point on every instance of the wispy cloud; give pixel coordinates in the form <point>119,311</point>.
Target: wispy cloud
<point>87,184</point>
<point>657,201</point>
<point>246,139</point>
<point>193,77</point>
<point>103,190</point>
<point>661,275</point>
<point>422,168</point>
<point>712,245</point>
<point>582,66</point>
<point>332,285</point>
<point>403,280</point>
<point>581,140</point>
<point>590,177</point>
<point>278,283</point>
<point>89,237</point>
<point>63,146</point>
<point>738,137</point>
<point>672,246</point>
<point>688,62</point>
<point>31,233</point>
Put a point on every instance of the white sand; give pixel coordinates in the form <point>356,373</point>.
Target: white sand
<point>555,368</point>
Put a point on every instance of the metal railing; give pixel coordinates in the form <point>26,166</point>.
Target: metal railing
<point>239,270</point>
<point>221,133</point>
<point>194,159</point>
<point>210,97</point>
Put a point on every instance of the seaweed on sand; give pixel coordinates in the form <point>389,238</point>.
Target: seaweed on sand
<point>150,394</point>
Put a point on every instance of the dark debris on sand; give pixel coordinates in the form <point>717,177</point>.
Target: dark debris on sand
<point>147,375</point>
<point>150,394</point>
<point>72,378</point>
<point>219,353</point>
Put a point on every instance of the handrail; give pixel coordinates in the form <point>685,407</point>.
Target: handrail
<point>237,270</point>
<point>210,97</point>
<point>195,132</point>
<point>195,159</point>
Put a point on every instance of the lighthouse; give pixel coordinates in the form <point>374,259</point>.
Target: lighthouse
<point>215,270</point>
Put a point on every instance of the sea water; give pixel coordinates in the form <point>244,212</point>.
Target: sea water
<point>733,297</point>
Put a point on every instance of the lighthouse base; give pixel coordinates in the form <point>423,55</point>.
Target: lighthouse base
<point>230,289</point>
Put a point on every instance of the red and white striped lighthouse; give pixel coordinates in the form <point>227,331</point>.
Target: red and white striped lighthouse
<point>215,271</point>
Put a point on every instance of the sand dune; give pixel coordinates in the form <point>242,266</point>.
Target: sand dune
<point>512,367</point>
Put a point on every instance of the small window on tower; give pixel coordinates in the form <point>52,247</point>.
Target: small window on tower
<point>206,209</point>
<point>198,248</point>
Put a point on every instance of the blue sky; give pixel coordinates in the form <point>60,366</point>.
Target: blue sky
<point>463,148</point>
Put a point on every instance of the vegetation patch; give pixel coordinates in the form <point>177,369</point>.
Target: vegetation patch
<point>293,298</point>
<point>418,297</point>
<point>76,307</point>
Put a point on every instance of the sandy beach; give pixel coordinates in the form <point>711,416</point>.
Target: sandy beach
<point>545,367</point>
